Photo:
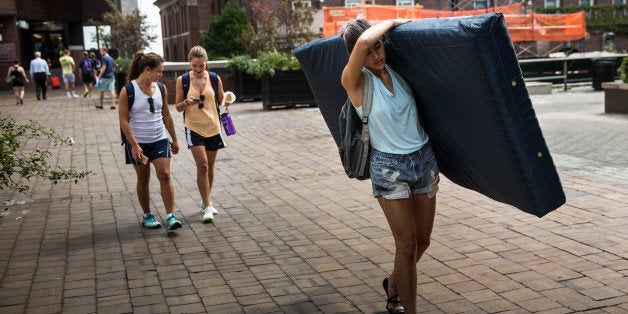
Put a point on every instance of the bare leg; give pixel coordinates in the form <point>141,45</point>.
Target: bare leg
<point>113,99</point>
<point>425,209</point>
<point>102,99</point>
<point>16,93</point>
<point>211,160</point>
<point>400,216</point>
<point>143,178</point>
<point>202,172</point>
<point>162,167</point>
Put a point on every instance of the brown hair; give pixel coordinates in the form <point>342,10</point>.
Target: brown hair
<point>197,52</point>
<point>142,60</point>
<point>352,31</point>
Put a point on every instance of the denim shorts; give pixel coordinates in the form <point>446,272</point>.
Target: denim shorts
<point>399,176</point>
<point>159,149</point>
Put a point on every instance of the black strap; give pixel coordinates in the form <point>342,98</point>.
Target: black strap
<point>213,78</point>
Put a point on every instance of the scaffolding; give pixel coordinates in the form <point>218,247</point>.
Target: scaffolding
<point>525,29</point>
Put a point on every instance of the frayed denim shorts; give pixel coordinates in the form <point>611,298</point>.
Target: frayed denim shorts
<point>399,176</point>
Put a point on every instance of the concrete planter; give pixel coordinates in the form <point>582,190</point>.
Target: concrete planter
<point>615,97</point>
<point>286,88</point>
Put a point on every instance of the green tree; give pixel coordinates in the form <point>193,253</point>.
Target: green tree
<point>15,161</point>
<point>280,25</point>
<point>220,38</point>
<point>129,33</point>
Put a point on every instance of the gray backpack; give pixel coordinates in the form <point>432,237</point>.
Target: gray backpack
<point>355,145</point>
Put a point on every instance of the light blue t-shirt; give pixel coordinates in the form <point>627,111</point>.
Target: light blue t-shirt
<point>394,120</point>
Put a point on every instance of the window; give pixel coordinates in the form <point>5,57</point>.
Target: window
<point>352,3</point>
<point>405,2</point>
<point>619,2</point>
<point>301,4</point>
<point>552,3</point>
<point>480,4</point>
<point>586,2</point>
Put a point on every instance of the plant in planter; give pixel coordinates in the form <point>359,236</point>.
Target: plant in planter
<point>283,83</point>
<point>122,66</point>
<point>623,70</point>
<point>249,87</point>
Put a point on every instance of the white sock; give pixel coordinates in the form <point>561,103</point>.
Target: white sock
<point>171,214</point>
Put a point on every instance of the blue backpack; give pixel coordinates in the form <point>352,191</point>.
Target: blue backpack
<point>130,91</point>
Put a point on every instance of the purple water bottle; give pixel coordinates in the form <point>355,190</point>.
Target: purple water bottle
<point>227,123</point>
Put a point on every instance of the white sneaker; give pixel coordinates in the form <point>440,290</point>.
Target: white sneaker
<point>74,95</point>
<point>208,215</point>
<point>214,210</point>
<point>68,94</point>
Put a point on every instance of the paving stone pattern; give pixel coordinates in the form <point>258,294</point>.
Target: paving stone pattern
<point>294,235</point>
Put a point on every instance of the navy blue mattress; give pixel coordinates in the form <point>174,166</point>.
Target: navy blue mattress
<point>472,100</point>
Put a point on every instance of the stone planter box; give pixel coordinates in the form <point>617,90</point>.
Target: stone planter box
<point>286,88</point>
<point>615,97</point>
<point>249,87</point>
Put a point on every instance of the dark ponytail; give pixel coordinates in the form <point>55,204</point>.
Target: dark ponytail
<point>142,60</point>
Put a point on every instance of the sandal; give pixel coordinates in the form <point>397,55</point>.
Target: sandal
<point>394,299</point>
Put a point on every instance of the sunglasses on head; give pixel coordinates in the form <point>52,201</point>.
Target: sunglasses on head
<point>201,104</point>
<point>151,104</point>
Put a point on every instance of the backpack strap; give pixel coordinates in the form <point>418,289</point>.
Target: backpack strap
<point>162,89</point>
<point>367,100</point>
<point>213,77</point>
<point>130,91</point>
<point>185,79</point>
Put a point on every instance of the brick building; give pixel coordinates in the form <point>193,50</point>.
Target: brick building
<point>27,26</point>
<point>184,21</point>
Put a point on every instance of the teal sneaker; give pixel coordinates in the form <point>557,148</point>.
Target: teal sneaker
<point>173,223</point>
<point>151,222</point>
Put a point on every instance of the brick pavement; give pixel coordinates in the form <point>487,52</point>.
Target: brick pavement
<point>294,235</point>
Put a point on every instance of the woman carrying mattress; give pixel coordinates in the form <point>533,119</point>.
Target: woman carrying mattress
<point>403,170</point>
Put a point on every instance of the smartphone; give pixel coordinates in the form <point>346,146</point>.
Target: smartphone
<point>196,99</point>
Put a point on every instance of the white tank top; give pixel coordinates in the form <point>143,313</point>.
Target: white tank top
<point>147,127</point>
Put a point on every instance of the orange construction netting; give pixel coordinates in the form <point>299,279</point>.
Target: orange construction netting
<point>522,27</point>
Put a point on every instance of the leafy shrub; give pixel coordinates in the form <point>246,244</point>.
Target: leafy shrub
<point>623,70</point>
<point>267,63</point>
<point>26,164</point>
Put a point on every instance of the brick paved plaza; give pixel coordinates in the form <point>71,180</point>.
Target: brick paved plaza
<point>294,235</point>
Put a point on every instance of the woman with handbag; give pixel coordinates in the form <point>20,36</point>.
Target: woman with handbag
<point>16,77</point>
<point>197,98</point>
<point>403,170</point>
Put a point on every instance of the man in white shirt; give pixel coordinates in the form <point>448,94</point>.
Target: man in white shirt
<point>39,72</point>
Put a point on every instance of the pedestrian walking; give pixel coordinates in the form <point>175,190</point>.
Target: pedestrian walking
<point>17,78</point>
<point>107,78</point>
<point>86,74</point>
<point>202,124</point>
<point>144,122</point>
<point>403,170</point>
<point>67,69</point>
<point>40,72</point>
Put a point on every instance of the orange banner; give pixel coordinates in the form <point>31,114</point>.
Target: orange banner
<point>532,27</point>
